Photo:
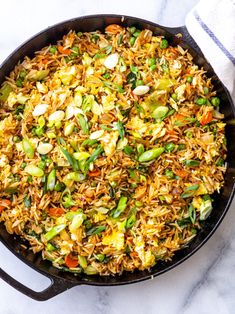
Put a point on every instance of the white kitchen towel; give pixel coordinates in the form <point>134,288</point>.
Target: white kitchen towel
<point>212,25</point>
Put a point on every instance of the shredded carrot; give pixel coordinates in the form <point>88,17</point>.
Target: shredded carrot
<point>4,203</point>
<point>64,51</point>
<point>206,118</point>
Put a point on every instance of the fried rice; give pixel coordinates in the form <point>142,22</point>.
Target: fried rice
<point>110,147</point>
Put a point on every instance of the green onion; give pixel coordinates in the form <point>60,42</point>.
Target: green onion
<point>83,123</point>
<point>137,33</point>
<point>67,201</point>
<point>89,142</point>
<point>131,220</point>
<point>54,231</point>
<point>192,163</point>
<point>27,201</point>
<point>192,214</point>
<point>128,150</point>
<point>50,247</point>
<point>174,96</point>
<point>132,41</point>
<point>122,204</point>
<point>119,39</point>
<point>51,180</point>
<point>160,112</point>
<point>95,230</point>
<point>181,147</point>
<point>140,149</point>
<point>73,162</point>
<point>121,129</point>
<point>151,61</point>
<point>28,148</point>
<point>106,75</point>
<point>116,87</point>
<point>93,157</point>
<point>189,191</point>
<point>206,90</point>
<point>151,154</point>
<point>100,257</point>
<point>132,29</point>
<point>82,261</point>
<point>34,171</point>
<point>5,91</point>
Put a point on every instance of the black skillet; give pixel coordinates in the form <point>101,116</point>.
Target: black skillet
<point>61,281</point>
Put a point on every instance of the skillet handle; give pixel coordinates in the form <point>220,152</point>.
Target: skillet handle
<point>56,287</point>
<point>186,37</point>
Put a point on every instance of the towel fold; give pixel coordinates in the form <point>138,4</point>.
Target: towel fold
<point>212,25</point>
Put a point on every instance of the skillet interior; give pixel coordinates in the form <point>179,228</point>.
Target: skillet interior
<point>221,201</point>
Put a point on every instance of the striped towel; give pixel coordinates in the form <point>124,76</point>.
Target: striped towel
<point>212,25</point>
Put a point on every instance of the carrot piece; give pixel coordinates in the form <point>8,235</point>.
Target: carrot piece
<point>64,51</point>
<point>56,211</point>
<point>181,173</point>
<point>4,203</point>
<point>71,261</point>
<point>94,173</point>
<point>206,118</point>
<point>45,61</point>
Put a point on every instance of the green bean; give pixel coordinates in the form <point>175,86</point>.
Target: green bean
<point>28,148</point>
<point>151,154</point>
<point>122,204</point>
<point>95,230</point>
<point>54,231</point>
<point>51,180</point>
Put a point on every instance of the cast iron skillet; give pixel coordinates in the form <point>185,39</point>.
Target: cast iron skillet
<point>61,281</point>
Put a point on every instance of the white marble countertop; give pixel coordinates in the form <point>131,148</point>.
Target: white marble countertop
<point>203,284</point>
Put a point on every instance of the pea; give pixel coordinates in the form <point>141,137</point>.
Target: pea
<point>100,257</point>
<point>16,139</point>
<point>132,29</point>
<point>151,61</point>
<point>132,41</point>
<point>169,174</point>
<point>139,82</point>
<point>106,75</point>
<point>206,90</point>
<point>151,154</point>
<point>174,96</point>
<point>201,101</point>
<point>189,79</point>
<point>160,112</point>
<point>22,74</point>
<point>192,163</point>
<point>169,147</point>
<point>215,101</point>
<point>53,49</point>
<point>220,162</point>
<point>79,34</point>
<point>136,33</point>
<point>189,134</point>
<point>19,82</point>
<point>42,164</point>
<point>164,44</point>
<point>153,67</point>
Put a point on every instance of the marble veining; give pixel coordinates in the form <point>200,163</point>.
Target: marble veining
<point>205,283</point>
